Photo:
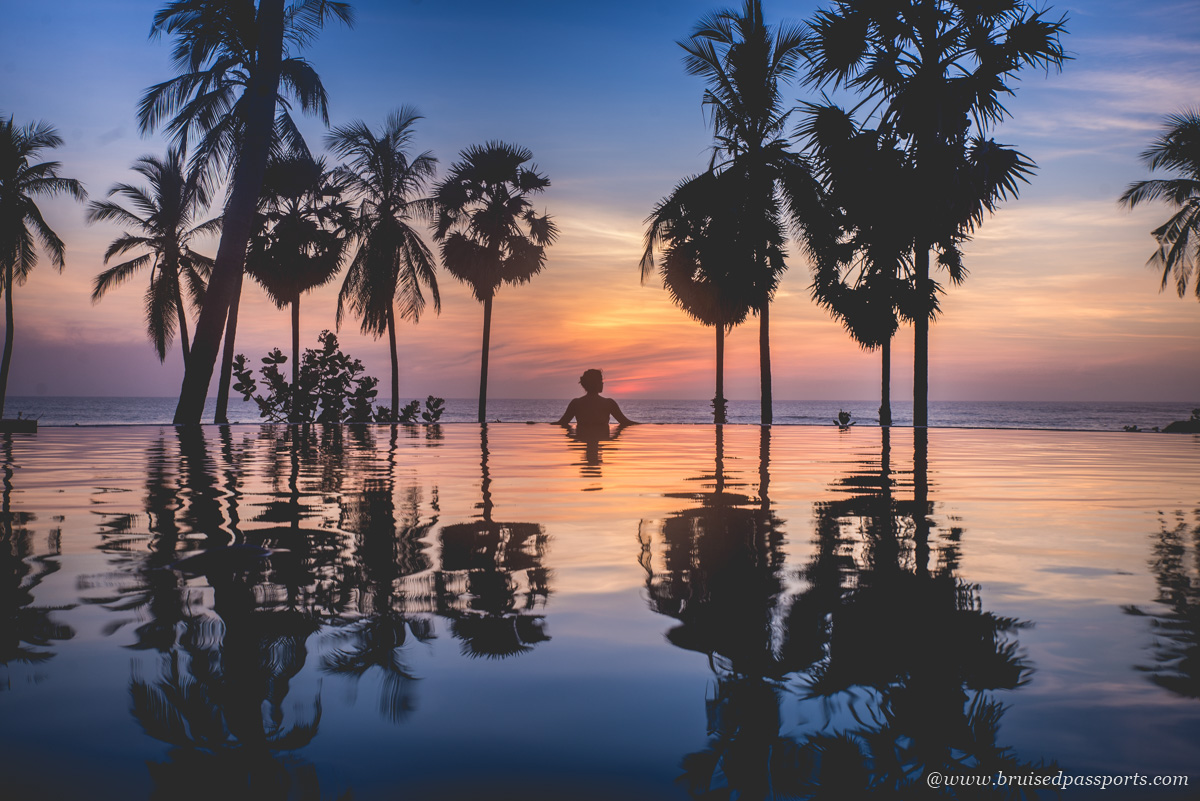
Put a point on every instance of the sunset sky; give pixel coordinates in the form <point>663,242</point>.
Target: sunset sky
<point>1058,304</point>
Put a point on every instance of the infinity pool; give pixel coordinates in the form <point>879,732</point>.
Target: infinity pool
<point>503,612</point>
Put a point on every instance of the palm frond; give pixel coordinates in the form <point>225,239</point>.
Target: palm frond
<point>117,275</point>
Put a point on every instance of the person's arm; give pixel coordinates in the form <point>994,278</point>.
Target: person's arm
<point>621,419</point>
<point>567,415</point>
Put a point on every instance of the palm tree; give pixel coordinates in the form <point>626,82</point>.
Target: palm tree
<point>863,274</point>
<point>489,232</point>
<point>1177,149</point>
<point>695,227</point>
<point>743,61</point>
<point>392,261</point>
<point>163,216</point>
<point>234,59</point>
<point>298,244</point>
<point>21,223</point>
<point>937,70</point>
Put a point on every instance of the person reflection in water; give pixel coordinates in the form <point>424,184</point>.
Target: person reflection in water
<point>592,411</point>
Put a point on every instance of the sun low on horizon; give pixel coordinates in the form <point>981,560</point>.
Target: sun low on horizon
<point>1058,303</point>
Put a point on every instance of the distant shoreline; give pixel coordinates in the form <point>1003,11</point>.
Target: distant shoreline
<point>69,411</point>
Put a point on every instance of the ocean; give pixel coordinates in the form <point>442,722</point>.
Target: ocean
<point>1057,415</point>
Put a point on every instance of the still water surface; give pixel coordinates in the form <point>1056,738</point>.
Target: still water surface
<point>505,612</point>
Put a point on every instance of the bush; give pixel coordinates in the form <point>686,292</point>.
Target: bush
<point>330,389</point>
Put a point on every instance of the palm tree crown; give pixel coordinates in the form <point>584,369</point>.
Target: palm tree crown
<point>22,227</point>
<point>392,261</point>
<point>489,232</point>
<point>217,54</point>
<point>300,239</point>
<point>1176,149</point>
<point>164,219</point>
<point>298,244</point>
<point>696,228</point>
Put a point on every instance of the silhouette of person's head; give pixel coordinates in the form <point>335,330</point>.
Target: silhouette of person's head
<point>592,380</point>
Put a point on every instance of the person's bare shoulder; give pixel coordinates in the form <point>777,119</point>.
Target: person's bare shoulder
<point>569,413</point>
<point>615,411</point>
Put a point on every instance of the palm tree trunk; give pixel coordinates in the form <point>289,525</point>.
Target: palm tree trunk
<point>885,394</point>
<point>719,400</point>
<point>764,360</point>
<point>293,415</point>
<point>483,369</point>
<point>183,331</point>
<point>921,343</point>
<point>391,324</point>
<point>8,335</point>
<point>222,414</point>
<point>239,213</point>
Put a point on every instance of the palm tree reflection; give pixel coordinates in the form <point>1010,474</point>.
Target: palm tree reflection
<point>230,644</point>
<point>872,670</point>
<point>392,589</point>
<point>26,628</point>
<point>326,554</point>
<point>1176,622</point>
<point>493,580</point>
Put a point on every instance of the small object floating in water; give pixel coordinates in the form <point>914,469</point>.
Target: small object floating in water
<point>843,420</point>
<point>223,559</point>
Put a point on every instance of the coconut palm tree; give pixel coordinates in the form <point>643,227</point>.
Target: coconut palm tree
<point>299,243</point>
<point>1176,149</point>
<point>234,59</point>
<point>392,260</point>
<point>936,70</point>
<point>695,228</point>
<point>743,61</point>
<point>22,226</point>
<point>164,218</point>
<point>488,229</point>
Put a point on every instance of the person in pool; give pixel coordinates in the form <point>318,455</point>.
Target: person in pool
<point>592,411</point>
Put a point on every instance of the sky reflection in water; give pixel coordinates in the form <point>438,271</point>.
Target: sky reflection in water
<point>510,612</point>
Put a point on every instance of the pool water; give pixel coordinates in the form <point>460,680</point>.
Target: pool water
<point>504,612</point>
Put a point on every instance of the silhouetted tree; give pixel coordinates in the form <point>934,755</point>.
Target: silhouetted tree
<point>696,228</point>
<point>489,232</point>
<point>743,61</point>
<point>234,59</point>
<point>1176,149</point>
<point>299,241</point>
<point>937,70</point>
<point>863,273</point>
<point>165,219</point>
<point>22,226</point>
<point>392,260</point>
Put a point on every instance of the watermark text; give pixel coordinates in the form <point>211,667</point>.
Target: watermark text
<point>1060,780</point>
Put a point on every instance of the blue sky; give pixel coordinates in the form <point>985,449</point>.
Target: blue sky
<point>1058,304</point>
